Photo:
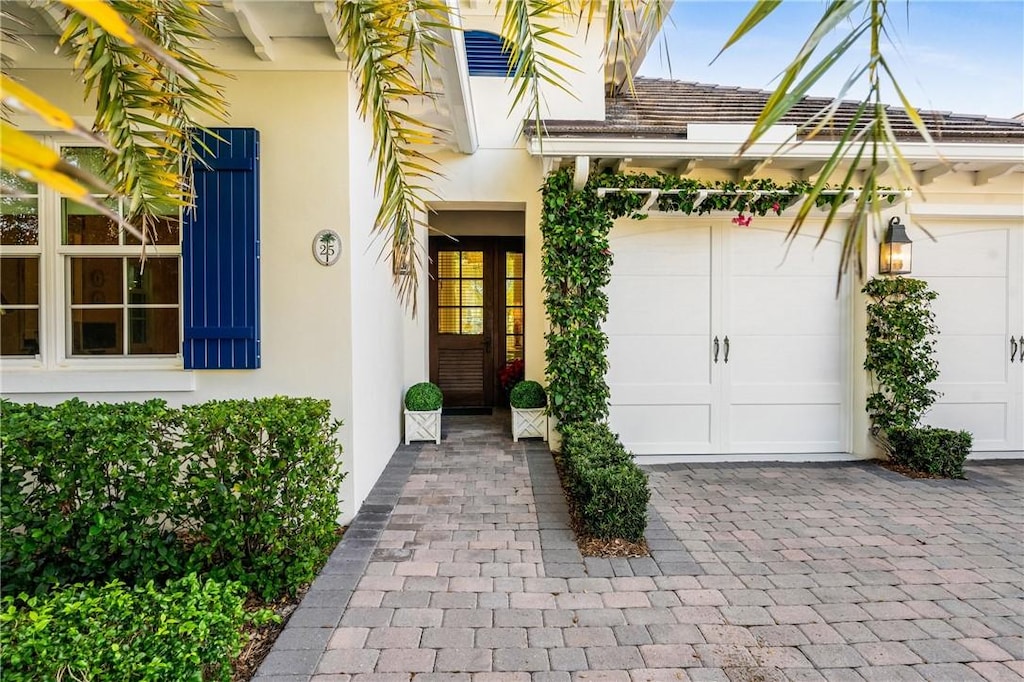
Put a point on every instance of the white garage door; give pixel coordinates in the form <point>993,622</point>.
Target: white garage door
<point>722,342</point>
<point>977,272</point>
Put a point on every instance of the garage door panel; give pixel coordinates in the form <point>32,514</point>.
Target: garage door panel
<point>774,360</point>
<point>658,305</point>
<point>660,429</point>
<point>782,305</point>
<point>809,394</point>
<point>977,272</point>
<point>968,305</point>
<point>977,252</point>
<point>657,360</point>
<point>653,248</point>
<point>661,394</point>
<point>972,359</point>
<point>988,422</point>
<point>764,252</point>
<point>785,428</point>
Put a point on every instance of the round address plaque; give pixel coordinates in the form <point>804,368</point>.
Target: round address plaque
<point>327,247</point>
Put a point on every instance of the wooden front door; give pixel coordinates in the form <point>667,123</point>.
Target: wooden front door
<point>476,316</point>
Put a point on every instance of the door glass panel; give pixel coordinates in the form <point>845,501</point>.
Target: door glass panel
<point>448,293</point>
<point>513,320</point>
<point>460,292</point>
<point>472,264</point>
<point>472,320</point>
<point>513,305</point>
<point>448,264</point>
<point>448,321</point>
<point>514,265</point>
<point>514,292</point>
<point>473,292</point>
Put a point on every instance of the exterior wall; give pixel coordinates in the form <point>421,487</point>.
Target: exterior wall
<point>498,125</point>
<point>331,333</point>
<point>376,326</point>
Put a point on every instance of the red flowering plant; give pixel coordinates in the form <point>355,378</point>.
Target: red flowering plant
<point>510,374</point>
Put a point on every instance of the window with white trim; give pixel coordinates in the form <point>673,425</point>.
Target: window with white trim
<point>76,284</point>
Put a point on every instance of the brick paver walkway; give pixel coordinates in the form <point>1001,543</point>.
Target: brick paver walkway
<point>460,568</point>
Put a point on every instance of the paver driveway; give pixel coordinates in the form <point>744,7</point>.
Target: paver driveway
<point>460,567</point>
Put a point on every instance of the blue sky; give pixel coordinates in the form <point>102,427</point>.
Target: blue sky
<point>952,55</point>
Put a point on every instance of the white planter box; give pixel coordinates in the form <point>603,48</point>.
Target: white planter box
<point>529,423</point>
<point>423,426</point>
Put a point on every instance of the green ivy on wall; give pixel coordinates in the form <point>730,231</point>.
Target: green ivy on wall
<point>900,354</point>
<point>576,264</point>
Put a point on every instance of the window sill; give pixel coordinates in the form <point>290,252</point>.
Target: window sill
<point>96,380</point>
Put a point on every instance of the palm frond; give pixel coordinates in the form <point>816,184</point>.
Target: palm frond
<point>868,140</point>
<point>150,83</point>
<point>538,46</point>
<point>385,39</point>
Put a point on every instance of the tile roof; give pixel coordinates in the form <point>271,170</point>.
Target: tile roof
<point>662,109</point>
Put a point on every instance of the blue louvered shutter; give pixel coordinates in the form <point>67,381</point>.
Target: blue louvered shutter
<point>486,54</point>
<point>221,254</point>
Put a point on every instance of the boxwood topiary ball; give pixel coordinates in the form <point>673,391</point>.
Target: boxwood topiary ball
<point>423,397</point>
<point>528,395</point>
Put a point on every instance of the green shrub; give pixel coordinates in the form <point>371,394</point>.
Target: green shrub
<point>527,395</point>
<point>939,452</point>
<point>423,397</point>
<point>616,506</point>
<point>263,490</point>
<point>89,492</point>
<point>607,489</point>
<point>239,490</point>
<point>186,631</point>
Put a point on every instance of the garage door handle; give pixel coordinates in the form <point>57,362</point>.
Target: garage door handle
<point>727,349</point>
<point>716,350</point>
<point>1013,349</point>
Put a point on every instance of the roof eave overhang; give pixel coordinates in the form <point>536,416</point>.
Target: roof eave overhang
<point>660,148</point>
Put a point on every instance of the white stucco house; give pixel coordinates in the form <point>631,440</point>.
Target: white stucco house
<point>242,308</point>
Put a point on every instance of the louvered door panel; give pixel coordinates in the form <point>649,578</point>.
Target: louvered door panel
<point>461,375</point>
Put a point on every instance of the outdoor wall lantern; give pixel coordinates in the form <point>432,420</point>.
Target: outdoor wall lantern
<point>894,253</point>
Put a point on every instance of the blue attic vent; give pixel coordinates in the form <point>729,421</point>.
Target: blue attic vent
<point>486,54</point>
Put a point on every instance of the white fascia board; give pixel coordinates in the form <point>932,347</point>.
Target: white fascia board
<point>451,54</point>
<point>661,148</point>
<point>983,211</point>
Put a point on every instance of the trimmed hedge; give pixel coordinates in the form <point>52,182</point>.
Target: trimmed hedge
<point>606,487</point>
<point>423,397</point>
<point>236,490</point>
<point>189,630</point>
<point>939,452</point>
<point>528,395</point>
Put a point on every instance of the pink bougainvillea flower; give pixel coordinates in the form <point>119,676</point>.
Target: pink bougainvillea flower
<point>776,208</point>
<point>742,220</point>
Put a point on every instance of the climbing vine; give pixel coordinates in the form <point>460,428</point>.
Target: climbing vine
<point>900,355</point>
<point>576,264</point>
